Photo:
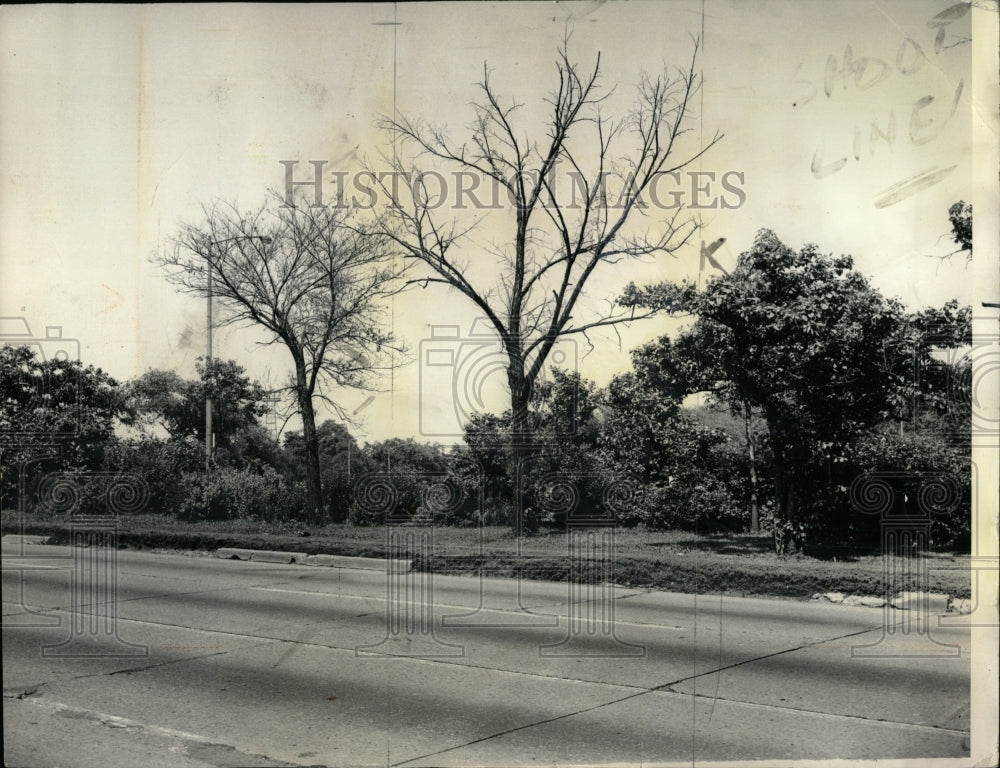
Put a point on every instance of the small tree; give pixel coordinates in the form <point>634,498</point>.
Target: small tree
<point>341,462</point>
<point>315,279</point>
<point>177,405</point>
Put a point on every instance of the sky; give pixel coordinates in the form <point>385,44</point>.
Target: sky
<point>845,124</point>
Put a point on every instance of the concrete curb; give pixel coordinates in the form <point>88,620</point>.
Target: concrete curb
<point>931,602</point>
<point>228,553</point>
<point>322,561</point>
<point>360,563</point>
<point>17,538</point>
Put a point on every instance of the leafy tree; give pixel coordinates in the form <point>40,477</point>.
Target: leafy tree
<point>563,421</point>
<point>255,446</point>
<point>559,240</point>
<point>57,398</point>
<point>401,456</point>
<point>908,459</point>
<point>960,216</point>
<point>163,465</point>
<point>689,478</point>
<point>412,467</point>
<point>807,340</point>
<point>177,405</point>
<point>487,438</point>
<point>162,399</point>
<point>313,278</point>
<point>341,462</point>
<point>64,402</point>
<point>941,374</point>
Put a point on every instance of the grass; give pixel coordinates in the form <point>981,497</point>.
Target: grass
<point>735,563</point>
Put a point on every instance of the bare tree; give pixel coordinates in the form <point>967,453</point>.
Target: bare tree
<point>573,180</point>
<point>315,279</point>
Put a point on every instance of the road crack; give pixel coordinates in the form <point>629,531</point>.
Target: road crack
<point>664,688</point>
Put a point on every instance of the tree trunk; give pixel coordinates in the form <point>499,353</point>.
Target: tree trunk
<point>754,508</point>
<point>783,492</point>
<point>520,440</point>
<point>314,489</point>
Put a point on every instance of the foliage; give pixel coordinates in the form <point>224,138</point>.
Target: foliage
<point>960,216</point>
<point>916,458</point>
<point>554,247</point>
<point>690,480</point>
<point>226,493</point>
<point>341,461</point>
<point>254,446</point>
<point>806,339</point>
<point>162,465</point>
<point>63,403</point>
<point>412,469</point>
<point>565,425</point>
<point>315,279</point>
<point>56,398</point>
<point>176,405</point>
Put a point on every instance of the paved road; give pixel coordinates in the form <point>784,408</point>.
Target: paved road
<point>199,661</point>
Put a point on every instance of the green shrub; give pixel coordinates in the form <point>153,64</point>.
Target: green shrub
<point>693,502</point>
<point>419,497</point>
<point>226,493</point>
<point>160,464</point>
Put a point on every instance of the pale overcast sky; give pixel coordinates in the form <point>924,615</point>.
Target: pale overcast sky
<point>120,122</point>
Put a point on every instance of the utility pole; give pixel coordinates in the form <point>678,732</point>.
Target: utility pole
<point>208,366</point>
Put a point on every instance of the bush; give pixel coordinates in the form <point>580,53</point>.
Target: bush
<point>920,457</point>
<point>77,493</point>
<point>160,464</point>
<point>692,503</point>
<point>902,464</point>
<point>226,493</point>
<point>399,498</point>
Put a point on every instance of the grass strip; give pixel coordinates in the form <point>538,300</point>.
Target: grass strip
<point>655,566</point>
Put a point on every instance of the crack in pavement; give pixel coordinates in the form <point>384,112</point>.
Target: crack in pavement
<point>266,639</point>
<point>23,694</point>
<point>666,688</point>
<point>838,715</point>
<point>466,608</point>
<point>638,691</point>
<point>168,662</point>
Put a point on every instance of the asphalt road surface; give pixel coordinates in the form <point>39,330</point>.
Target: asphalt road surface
<point>177,660</point>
